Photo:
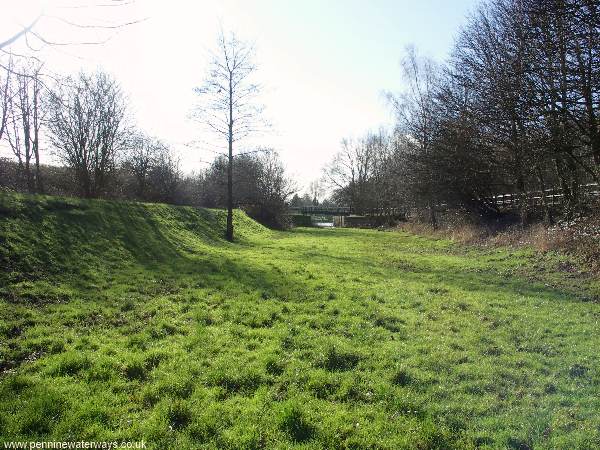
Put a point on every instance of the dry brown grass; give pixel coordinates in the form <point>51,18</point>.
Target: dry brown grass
<point>462,233</point>
<point>579,238</point>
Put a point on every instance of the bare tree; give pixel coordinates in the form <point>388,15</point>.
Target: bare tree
<point>143,154</point>
<point>87,128</point>
<point>229,106</point>
<point>415,107</point>
<point>151,168</point>
<point>415,110</point>
<point>23,122</point>
<point>350,172</point>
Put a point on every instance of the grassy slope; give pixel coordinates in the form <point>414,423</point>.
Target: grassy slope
<point>126,321</point>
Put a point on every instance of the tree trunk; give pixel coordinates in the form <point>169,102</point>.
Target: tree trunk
<point>432,217</point>
<point>85,183</point>
<point>229,231</point>
<point>36,142</point>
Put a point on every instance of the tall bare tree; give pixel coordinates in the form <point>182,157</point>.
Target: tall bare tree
<point>417,119</point>
<point>229,106</point>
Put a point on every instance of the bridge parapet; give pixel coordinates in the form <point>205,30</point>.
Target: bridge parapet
<point>323,210</point>
<point>346,211</point>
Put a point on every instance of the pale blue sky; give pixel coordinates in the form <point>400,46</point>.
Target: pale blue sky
<point>324,64</point>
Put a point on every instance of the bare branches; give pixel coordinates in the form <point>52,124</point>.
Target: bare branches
<point>23,117</point>
<point>32,30</point>
<point>228,97</point>
<point>21,33</point>
<point>361,171</point>
<point>88,129</point>
<point>228,86</point>
<point>515,110</point>
<point>94,26</point>
<point>414,108</point>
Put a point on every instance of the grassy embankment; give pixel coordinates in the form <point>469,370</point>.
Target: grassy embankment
<point>126,321</point>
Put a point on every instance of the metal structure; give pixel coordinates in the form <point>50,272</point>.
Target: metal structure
<point>551,197</point>
<point>345,211</point>
<point>503,202</point>
<point>322,210</point>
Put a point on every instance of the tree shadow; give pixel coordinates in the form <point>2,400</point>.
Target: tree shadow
<point>487,282</point>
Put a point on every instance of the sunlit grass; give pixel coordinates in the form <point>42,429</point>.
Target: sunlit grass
<point>125,321</point>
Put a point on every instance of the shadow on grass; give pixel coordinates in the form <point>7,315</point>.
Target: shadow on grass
<point>491,283</point>
<point>79,241</point>
<point>43,236</point>
<point>328,232</point>
<point>88,245</point>
<point>471,279</point>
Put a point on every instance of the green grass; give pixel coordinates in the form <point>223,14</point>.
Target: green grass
<point>128,321</point>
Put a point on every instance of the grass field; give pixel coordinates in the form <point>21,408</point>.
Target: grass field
<point>130,322</point>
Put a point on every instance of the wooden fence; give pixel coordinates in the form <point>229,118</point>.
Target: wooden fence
<point>552,197</point>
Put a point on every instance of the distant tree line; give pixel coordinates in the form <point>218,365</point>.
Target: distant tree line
<point>84,121</point>
<point>514,110</point>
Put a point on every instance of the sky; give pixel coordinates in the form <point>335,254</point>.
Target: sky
<point>324,65</point>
